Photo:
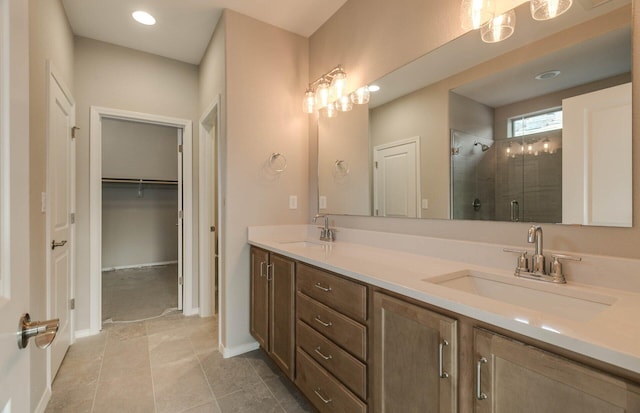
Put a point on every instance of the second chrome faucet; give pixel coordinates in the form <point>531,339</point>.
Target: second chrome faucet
<point>326,233</point>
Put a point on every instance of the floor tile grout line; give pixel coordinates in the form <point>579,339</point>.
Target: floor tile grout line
<point>265,385</point>
<point>104,351</point>
<point>213,395</point>
<point>153,387</point>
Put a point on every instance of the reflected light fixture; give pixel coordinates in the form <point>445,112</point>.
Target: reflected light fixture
<point>374,88</point>
<point>475,13</point>
<point>328,94</point>
<point>499,28</point>
<point>549,9</point>
<point>143,17</point>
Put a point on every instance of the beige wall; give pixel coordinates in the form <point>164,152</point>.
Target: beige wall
<point>266,72</point>
<point>50,38</point>
<point>371,38</point>
<point>116,77</point>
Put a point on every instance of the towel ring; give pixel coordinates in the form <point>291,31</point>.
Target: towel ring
<point>277,162</point>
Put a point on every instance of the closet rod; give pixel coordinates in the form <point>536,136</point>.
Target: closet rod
<point>139,181</point>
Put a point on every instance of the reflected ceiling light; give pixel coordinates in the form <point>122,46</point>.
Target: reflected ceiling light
<point>328,94</point>
<point>499,28</point>
<point>475,13</point>
<point>374,88</point>
<point>143,17</point>
<point>549,74</point>
<point>548,9</point>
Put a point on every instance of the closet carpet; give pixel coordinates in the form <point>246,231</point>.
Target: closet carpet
<point>139,293</point>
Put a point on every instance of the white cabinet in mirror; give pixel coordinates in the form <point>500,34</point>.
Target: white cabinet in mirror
<point>488,131</point>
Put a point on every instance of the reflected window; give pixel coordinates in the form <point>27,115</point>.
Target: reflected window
<point>524,125</point>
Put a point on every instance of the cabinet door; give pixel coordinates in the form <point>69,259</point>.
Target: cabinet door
<point>259,318</point>
<point>282,286</point>
<point>519,378</point>
<point>414,358</point>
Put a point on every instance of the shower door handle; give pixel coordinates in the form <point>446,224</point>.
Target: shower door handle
<point>515,211</point>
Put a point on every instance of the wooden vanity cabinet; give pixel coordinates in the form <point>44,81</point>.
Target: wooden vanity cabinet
<point>515,377</point>
<point>414,358</point>
<point>272,315</point>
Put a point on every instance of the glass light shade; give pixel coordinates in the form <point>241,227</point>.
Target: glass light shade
<point>548,9</point>
<point>309,101</point>
<point>360,96</point>
<point>329,111</point>
<point>499,28</point>
<point>339,84</point>
<point>475,13</point>
<point>344,104</point>
<point>323,94</point>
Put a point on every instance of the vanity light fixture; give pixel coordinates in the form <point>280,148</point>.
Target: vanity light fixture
<point>328,94</point>
<point>499,28</point>
<point>475,13</point>
<point>549,9</point>
<point>374,88</point>
<point>143,17</point>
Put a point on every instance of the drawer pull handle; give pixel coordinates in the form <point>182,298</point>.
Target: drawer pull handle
<point>324,399</point>
<point>320,287</point>
<point>317,318</point>
<point>443,374</point>
<point>317,350</point>
<point>479,394</point>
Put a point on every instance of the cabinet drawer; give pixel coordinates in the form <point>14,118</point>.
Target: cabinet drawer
<point>338,362</point>
<point>323,390</point>
<point>345,332</point>
<point>343,295</point>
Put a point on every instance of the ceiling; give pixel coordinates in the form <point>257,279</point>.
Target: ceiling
<point>184,27</point>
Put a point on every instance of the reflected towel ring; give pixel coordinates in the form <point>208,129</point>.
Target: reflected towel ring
<point>342,167</point>
<point>277,162</point>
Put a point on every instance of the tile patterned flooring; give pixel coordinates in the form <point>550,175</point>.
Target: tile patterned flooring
<point>169,364</point>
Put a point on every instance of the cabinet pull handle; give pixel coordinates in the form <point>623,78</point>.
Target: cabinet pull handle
<point>262,263</point>
<point>320,287</point>
<point>317,318</point>
<point>443,374</point>
<point>317,350</point>
<point>479,394</point>
<point>324,399</point>
<point>269,272</point>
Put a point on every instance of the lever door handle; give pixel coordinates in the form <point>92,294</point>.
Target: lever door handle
<point>55,244</point>
<point>43,331</point>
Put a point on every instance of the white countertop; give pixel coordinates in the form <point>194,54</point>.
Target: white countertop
<point>612,335</point>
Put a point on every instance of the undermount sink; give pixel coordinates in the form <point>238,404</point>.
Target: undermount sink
<point>304,244</point>
<point>558,300</point>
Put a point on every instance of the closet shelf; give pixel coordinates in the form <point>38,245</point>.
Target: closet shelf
<point>140,181</point>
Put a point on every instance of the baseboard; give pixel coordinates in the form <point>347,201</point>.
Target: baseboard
<point>86,333</point>
<point>149,264</point>
<point>193,311</point>
<point>44,400</point>
<point>236,351</point>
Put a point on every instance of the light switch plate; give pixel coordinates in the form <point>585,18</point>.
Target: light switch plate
<point>293,202</point>
<point>425,204</point>
<point>322,202</point>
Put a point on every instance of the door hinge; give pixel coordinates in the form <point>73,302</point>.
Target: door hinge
<point>180,214</point>
<point>212,229</point>
<point>180,148</point>
<point>376,164</point>
<point>72,304</point>
<point>376,212</point>
<point>74,129</point>
<point>72,217</point>
<point>180,281</point>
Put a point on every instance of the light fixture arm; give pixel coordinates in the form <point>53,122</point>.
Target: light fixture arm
<point>327,77</point>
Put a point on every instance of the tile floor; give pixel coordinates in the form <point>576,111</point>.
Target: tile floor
<point>169,364</point>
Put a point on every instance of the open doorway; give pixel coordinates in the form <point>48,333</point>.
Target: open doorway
<point>140,210</point>
<point>141,229</point>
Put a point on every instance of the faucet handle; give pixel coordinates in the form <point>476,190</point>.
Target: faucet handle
<point>556,265</point>
<point>565,257</point>
<point>523,262</point>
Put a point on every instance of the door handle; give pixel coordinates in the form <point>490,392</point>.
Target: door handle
<point>55,244</point>
<point>43,331</point>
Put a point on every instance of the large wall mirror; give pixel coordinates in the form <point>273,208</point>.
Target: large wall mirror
<point>536,128</point>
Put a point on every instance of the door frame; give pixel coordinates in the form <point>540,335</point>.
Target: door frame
<point>53,76</point>
<point>401,142</point>
<point>95,204</point>
<point>207,143</point>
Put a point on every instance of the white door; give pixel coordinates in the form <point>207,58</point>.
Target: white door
<point>597,190</point>
<point>397,179</point>
<point>60,121</point>
<point>14,202</point>
<point>179,224</point>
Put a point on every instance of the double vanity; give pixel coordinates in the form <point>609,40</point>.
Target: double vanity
<point>398,323</point>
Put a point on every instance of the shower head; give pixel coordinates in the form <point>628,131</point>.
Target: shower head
<point>482,145</point>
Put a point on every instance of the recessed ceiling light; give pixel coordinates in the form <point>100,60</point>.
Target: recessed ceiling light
<point>374,88</point>
<point>550,74</point>
<point>144,18</point>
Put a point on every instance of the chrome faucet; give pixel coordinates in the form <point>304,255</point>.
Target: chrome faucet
<point>538,270</point>
<point>326,233</point>
<point>537,260</point>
